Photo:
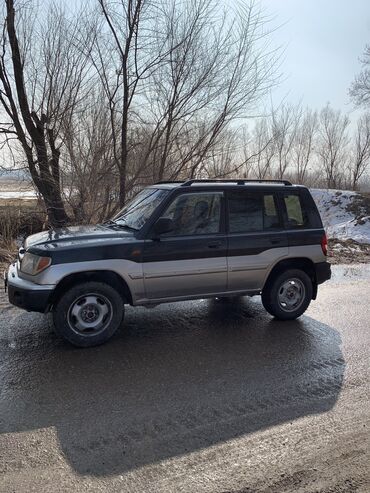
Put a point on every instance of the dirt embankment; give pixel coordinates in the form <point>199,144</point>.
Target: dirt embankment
<point>348,252</point>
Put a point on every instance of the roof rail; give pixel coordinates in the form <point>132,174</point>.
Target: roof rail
<point>187,183</point>
<point>163,182</point>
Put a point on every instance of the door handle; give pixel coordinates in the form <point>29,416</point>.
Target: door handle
<point>215,244</point>
<point>276,241</point>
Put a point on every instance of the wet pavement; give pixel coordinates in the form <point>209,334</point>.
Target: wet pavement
<point>193,397</point>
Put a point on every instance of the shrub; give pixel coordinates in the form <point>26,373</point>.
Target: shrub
<point>17,222</point>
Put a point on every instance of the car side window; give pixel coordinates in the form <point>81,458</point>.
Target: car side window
<point>271,218</point>
<point>195,214</point>
<point>252,212</point>
<point>295,213</point>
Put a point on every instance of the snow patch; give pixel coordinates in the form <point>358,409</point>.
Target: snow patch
<point>340,222</point>
<point>18,194</point>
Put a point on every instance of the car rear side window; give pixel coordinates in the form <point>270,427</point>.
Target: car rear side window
<point>252,212</point>
<point>296,215</point>
<point>270,216</point>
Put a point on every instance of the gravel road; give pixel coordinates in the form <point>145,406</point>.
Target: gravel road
<point>201,396</point>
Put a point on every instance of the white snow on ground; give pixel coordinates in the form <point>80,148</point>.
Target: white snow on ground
<point>18,194</point>
<point>339,222</point>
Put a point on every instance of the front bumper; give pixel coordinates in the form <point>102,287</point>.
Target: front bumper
<point>26,294</point>
<point>323,272</point>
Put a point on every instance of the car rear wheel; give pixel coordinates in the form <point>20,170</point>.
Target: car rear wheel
<point>88,314</point>
<point>288,295</point>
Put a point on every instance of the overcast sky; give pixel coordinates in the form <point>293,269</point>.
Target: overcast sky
<point>323,40</point>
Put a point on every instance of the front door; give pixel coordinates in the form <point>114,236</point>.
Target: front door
<point>191,259</point>
<point>257,239</point>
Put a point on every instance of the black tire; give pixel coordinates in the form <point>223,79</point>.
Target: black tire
<point>297,299</point>
<point>88,314</point>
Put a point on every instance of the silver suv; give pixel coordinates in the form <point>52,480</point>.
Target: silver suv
<point>176,241</point>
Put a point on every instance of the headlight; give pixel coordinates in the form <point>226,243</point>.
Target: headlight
<point>34,264</point>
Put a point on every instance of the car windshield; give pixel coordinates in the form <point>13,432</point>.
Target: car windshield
<point>136,212</point>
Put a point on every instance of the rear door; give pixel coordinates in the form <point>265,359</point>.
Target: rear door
<point>257,239</point>
<point>303,224</point>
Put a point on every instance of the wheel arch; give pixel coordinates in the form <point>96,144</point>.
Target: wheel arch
<point>302,263</point>
<point>105,276</point>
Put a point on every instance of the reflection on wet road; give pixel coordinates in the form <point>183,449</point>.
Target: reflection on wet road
<point>174,369</point>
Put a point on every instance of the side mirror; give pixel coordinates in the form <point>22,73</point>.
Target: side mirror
<point>162,226</point>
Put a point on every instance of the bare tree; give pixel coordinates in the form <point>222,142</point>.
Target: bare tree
<point>40,83</point>
<point>146,91</point>
<point>332,143</point>
<point>360,88</point>
<point>249,153</point>
<point>186,75</point>
<point>285,121</point>
<point>131,25</point>
<point>303,146</point>
<point>257,150</point>
<point>222,160</point>
<point>89,170</point>
<point>361,151</point>
<point>215,74</point>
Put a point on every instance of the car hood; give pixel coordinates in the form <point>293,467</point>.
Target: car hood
<point>75,235</point>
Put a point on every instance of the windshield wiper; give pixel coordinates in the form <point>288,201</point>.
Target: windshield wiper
<point>114,224</point>
<point>125,226</point>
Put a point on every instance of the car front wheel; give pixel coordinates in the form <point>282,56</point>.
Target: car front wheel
<point>288,295</point>
<point>88,314</point>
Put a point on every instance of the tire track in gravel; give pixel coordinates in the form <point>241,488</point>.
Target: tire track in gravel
<point>305,479</point>
<point>195,420</point>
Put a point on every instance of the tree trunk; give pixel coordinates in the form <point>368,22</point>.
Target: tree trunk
<point>56,211</point>
<point>51,194</point>
<point>46,178</point>
<point>123,162</point>
<point>124,143</point>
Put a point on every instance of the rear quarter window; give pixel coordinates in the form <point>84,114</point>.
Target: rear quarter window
<point>301,211</point>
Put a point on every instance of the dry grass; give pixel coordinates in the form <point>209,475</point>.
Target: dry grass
<point>18,218</point>
<point>9,230</point>
<point>18,203</point>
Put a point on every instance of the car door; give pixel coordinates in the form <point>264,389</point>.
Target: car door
<point>256,237</point>
<point>191,259</point>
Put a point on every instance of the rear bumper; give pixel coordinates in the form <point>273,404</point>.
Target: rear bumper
<point>25,294</point>
<point>323,272</point>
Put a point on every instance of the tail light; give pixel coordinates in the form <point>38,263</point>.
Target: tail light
<point>324,244</point>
